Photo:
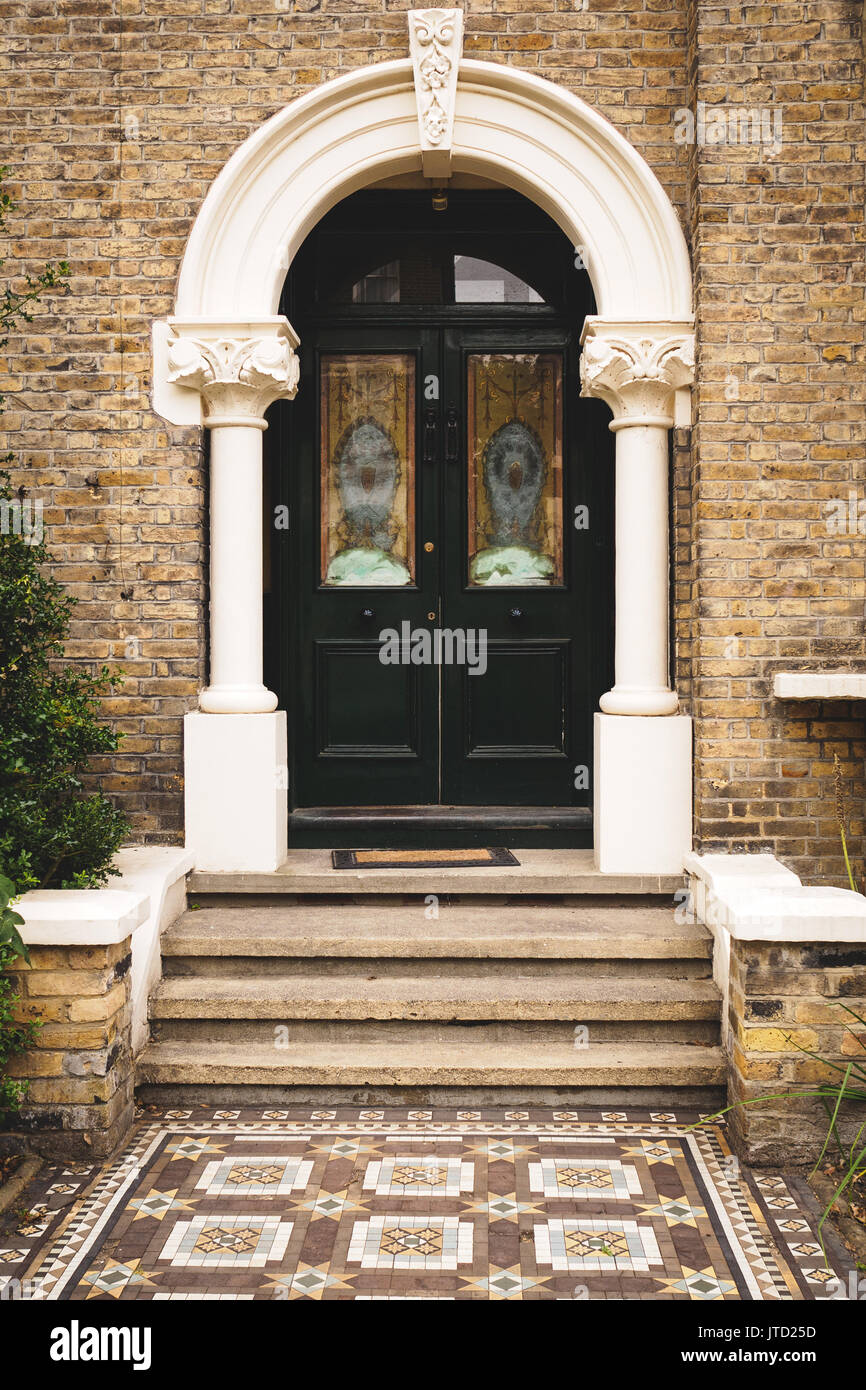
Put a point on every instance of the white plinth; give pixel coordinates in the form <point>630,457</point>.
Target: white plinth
<point>642,793</point>
<point>235,790</point>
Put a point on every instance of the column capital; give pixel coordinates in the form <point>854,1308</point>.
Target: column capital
<point>637,368</point>
<point>238,368</point>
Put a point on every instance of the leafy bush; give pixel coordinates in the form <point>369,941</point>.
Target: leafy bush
<point>51,832</point>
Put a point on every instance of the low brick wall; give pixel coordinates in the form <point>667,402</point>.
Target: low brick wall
<point>80,1069</point>
<point>781,995</point>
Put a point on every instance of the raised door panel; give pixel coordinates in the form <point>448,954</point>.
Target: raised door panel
<point>365,709</point>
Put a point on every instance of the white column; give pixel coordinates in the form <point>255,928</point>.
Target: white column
<point>238,373</point>
<point>637,369</point>
<point>642,775</point>
<point>235,773</point>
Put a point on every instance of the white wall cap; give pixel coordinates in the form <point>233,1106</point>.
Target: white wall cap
<point>103,916</point>
<point>820,685</point>
<point>714,869</point>
<point>140,865</point>
<point>795,914</point>
<point>80,916</point>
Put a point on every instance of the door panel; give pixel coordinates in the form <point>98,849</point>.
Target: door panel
<point>533,720</point>
<point>364,732</point>
<point>364,709</point>
<point>514,734</point>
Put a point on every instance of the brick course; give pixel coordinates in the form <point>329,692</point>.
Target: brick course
<point>80,1069</point>
<point>786,1001</point>
<point>116,116</point>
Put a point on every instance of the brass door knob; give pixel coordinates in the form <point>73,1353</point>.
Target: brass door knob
<point>428,546</point>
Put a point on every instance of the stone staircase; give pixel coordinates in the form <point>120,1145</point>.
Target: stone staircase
<point>546,998</point>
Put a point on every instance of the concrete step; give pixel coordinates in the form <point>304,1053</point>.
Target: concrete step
<point>431,1067</point>
<point>400,1032</point>
<point>487,929</point>
<point>406,998</point>
<point>556,871</point>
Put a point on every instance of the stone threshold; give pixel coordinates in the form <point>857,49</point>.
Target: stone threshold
<point>540,871</point>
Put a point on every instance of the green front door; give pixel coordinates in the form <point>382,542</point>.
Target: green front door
<point>441,593</point>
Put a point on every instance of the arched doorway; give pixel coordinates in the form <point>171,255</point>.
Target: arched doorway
<point>439,613</point>
<point>227,353</point>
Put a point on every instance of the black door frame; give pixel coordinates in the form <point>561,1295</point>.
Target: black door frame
<point>392,327</point>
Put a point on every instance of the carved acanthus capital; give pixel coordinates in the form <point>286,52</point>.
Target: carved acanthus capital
<point>436,44</point>
<point>637,368</point>
<point>239,371</point>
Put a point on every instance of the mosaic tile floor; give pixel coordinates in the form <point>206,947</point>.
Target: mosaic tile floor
<point>398,1203</point>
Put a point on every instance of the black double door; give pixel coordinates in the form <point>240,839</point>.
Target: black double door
<point>441,597</point>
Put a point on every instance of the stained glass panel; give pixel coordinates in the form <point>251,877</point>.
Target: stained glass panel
<point>515,469</point>
<point>368,469</point>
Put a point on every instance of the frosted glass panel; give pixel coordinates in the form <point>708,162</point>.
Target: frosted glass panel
<point>368,469</point>
<point>515,469</point>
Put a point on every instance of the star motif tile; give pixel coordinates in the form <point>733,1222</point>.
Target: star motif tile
<point>700,1284</point>
<point>115,1277</point>
<point>157,1205</point>
<point>676,1212</point>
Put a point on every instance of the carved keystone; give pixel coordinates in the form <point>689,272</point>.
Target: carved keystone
<point>436,44</point>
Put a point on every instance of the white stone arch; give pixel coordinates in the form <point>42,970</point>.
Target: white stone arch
<point>225,354</point>
<point>509,125</point>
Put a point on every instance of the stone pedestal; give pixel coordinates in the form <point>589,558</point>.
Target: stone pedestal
<point>235,791</point>
<point>642,793</point>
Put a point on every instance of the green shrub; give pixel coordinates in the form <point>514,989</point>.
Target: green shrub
<point>51,832</point>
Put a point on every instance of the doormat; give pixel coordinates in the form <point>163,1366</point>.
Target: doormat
<point>422,858</point>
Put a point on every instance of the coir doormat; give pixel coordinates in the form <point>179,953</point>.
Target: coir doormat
<point>422,858</point>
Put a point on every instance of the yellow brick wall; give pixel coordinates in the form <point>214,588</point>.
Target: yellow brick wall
<point>79,1070</point>
<point>787,1001</point>
<point>779,255</point>
<point>115,117</point>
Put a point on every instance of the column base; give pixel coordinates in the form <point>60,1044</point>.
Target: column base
<point>237,699</point>
<point>637,700</point>
<point>642,793</point>
<point>235,791</point>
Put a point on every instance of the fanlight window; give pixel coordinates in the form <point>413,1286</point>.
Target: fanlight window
<point>417,279</point>
<point>482,282</point>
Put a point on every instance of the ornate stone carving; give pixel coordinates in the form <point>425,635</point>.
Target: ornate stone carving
<point>637,368</point>
<point>436,43</point>
<point>238,377</point>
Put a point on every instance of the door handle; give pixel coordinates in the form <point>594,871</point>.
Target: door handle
<point>452,445</point>
<point>430,446</point>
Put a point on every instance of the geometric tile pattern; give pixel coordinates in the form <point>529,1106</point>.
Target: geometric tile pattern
<point>406,1204</point>
<point>411,1242</point>
<point>230,1242</point>
<point>584,1177</point>
<point>249,1176</point>
<point>411,1176</point>
<point>604,1243</point>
